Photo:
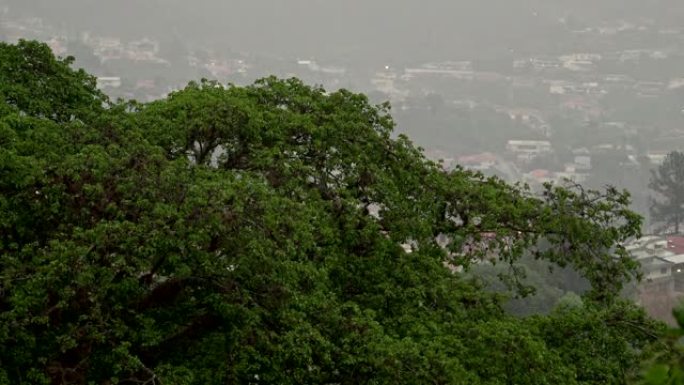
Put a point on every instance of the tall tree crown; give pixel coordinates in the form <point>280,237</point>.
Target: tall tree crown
<point>279,233</point>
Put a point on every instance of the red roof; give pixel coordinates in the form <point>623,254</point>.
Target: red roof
<point>675,244</point>
<point>540,174</point>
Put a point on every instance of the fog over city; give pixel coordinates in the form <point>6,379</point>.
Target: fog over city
<point>355,30</point>
<point>518,96</point>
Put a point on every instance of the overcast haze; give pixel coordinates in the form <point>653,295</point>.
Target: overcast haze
<point>382,29</point>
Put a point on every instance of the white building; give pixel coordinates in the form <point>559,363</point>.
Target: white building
<point>108,82</point>
<point>529,148</point>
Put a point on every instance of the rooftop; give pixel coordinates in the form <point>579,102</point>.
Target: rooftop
<point>675,259</point>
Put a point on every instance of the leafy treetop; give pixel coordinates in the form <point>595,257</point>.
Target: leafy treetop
<point>258,235</point>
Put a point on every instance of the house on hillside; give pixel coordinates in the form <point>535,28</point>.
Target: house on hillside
<point>656,265</point>
<point>573,173</point>
<point>662,267</point>
<point>585,105</point>
<point>388,83</point>
<point>478,162</point>
<point>538,177</point>
<point>675,244</point>
<point>107,48</point>
<point>526,150</point>
<point>582,158</point>
<point>143,50</point>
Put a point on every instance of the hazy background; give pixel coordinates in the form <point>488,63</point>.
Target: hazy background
<point>361,30</point>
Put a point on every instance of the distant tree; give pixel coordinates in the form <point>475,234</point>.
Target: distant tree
<point>667,181</point>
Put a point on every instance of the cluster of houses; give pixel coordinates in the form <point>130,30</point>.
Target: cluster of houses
<point>569,74</point>
<point>662,264</point>
<point>520,152</point>
<point>662,261</point>
<point>112,48</point>
<point>571,85</point>
<point>104,48</point>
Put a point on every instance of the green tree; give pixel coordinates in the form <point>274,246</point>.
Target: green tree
<point>38,84</point>
<point>236,235</point>
<point>667,181</point>
<point>667,367</point>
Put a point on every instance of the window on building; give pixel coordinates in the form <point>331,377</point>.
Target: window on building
<point>663,270</point>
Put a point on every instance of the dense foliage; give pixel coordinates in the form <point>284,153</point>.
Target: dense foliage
<point>279,234</point>
<point>667,367</point>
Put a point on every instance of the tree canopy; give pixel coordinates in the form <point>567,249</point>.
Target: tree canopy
<point>280,234</point>
<point>667,181</point>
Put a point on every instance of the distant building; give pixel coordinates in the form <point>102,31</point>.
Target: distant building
<point>462,70</point>
<point>526,150</point>
<point>545,63</point>
<point>585,105</point>
<point>657,157</point>
<point>143,50</point>
<point>573,172</point>
<point>58,45</point>
<point>478,162</point>
<point>582,161</point>
<point>387,83</point>
<point>658,55</point>
<point>649,89</point>
<point>675,244</point>
<point>521,63</point>
<point>663,271</point>
<point>619,79</point>
<point>579,65</point>
<point>538,177</point>
<point>108,48</point>
<point>108,82</point>
<point>313,66</point>
<point>560,87</point>
<point>676,84</point>
<point>219,69</point>
<point>589,57</point>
